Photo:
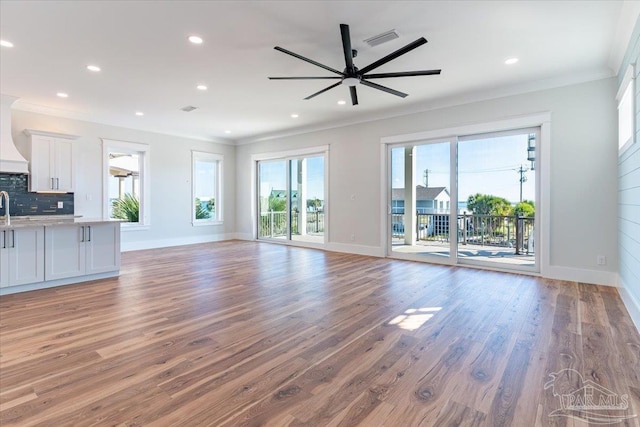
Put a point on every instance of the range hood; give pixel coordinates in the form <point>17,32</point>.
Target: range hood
<point>11,161</point>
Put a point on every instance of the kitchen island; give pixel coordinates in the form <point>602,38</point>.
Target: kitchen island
<point>44,251</point>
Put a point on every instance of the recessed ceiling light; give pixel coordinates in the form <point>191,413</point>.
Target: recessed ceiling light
<point>227,131</point>
<point>6,43</point>
<point>201,87</point>
<point>195,39</point>
<point>93,68</point>
<point>294,116</point>
<point>342,102</point>
<point>139,113</point>
<point>511,61</point>
<point>62,95</point>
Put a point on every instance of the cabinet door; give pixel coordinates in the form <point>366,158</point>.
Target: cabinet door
<point>4,259</point>
<point>26,255</point>
<point>63,165</point>
<point>103,248</point>
<point>64,251</point>
<point>41,176</point>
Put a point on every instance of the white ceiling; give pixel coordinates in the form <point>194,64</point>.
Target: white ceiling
<point>148,65</point>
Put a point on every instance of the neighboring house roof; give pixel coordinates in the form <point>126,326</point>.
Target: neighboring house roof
<point>422,193</point>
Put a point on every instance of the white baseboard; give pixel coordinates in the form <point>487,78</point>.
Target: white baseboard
<point>355,249</point>
<point>631,303</point>
<point>244,236</point>
<point>330,246</point>
<point>596,277</point>
<point>179,241</point>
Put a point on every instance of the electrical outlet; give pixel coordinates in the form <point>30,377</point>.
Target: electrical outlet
<point>602,260</point>
<point>353,237</point>
<point>89,197</point>
<point>60,205</point>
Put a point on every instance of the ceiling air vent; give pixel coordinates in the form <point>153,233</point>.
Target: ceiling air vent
<point>382,38</point>
<point>189,108</point>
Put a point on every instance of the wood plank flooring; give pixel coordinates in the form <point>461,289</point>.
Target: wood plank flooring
<point>246,333</point>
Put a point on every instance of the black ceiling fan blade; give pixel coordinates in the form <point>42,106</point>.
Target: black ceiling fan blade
<point>346,47</point>
<point>354,95</point>
<point>305,78</point>
<point>324,90</point>
<point>394,55</point>
<point>384,88</point>
<point>403,74</point>
<point>310,61</point>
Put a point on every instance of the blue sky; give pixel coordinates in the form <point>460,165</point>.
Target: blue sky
<point>486,166</point>
<point>273,176</point>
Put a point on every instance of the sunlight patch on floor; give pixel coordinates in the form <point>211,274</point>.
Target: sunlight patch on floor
<point>413,318</point>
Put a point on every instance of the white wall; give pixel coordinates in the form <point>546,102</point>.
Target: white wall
<point>170,220</point>
<point>583,173</point>
<point>629,197</point>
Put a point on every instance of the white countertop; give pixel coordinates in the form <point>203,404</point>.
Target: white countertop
<point>50,220</point>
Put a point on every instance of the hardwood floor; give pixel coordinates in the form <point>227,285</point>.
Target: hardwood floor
<point>246,333</point>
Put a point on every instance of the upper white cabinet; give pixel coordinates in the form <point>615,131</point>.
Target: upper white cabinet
<point>51,161</point>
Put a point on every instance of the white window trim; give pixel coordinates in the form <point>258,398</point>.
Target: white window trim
<point>145,172</point>
<point>627,88</point>
<point>212,157</point>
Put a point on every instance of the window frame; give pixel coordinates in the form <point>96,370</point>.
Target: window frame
<point>626,94</point>
<point>288,155</point>
<point>197,155</point>
<point>144,151</point>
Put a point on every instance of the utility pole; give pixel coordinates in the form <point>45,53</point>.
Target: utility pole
<point>523,178</point>
<point>426,177</point>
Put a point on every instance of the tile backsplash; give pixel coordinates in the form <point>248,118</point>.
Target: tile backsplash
<point>24,203</point>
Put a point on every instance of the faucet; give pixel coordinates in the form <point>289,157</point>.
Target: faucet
<point>5,195</point>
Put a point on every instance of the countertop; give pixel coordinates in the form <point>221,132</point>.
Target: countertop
<point>50,221</point>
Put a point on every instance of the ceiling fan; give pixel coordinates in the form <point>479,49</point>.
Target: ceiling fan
<point>351,75</point>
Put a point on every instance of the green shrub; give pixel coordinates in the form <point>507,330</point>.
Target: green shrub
<point>127,208</point>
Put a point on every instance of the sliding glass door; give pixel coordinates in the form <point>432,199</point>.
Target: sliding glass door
<point>420,199</point>
<point>291,199</point>
<point>468,199</point>
<point>497,192</point>
<point>273,222</point>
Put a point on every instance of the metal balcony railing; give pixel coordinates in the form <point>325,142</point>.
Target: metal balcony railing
<point>484,230</point>
<point>274,223</point>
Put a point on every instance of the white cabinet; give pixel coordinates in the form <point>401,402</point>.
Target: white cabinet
<point>78,250</point>
<point>102,248</point>
<point>21,256</point>
<point>64,252</point>
<point>51,161</point>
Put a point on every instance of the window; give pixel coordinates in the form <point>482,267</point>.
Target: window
<point>206,172</point>
<point>290,195</point>
<point>626,107</point>
<point>126,182</point>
